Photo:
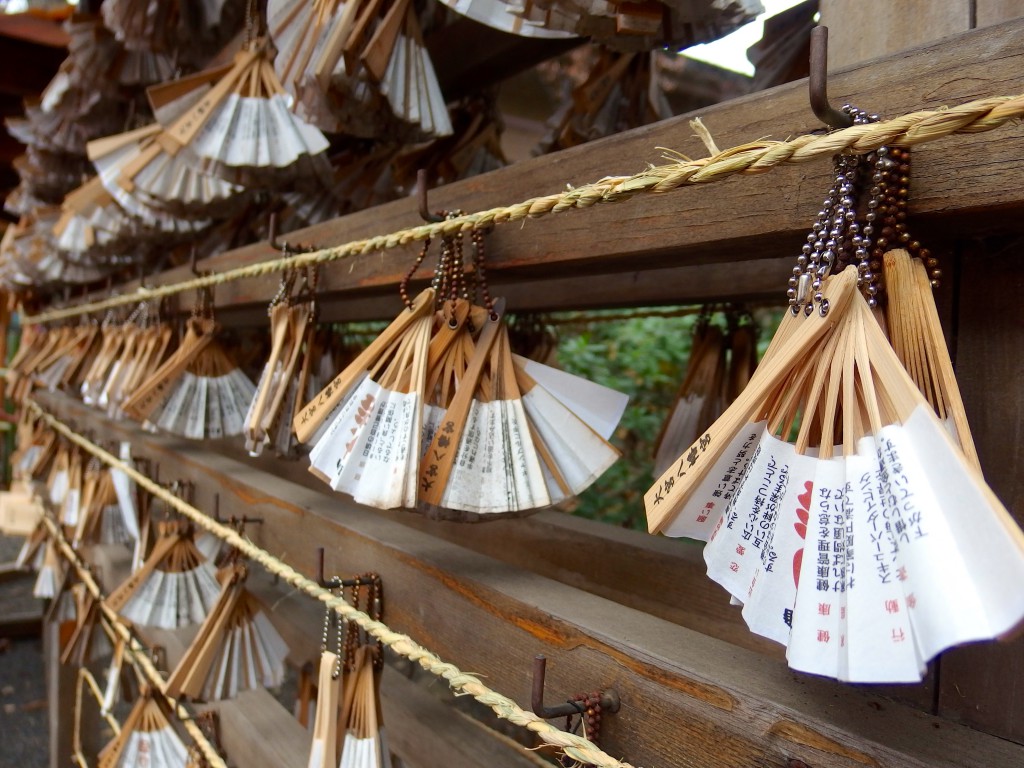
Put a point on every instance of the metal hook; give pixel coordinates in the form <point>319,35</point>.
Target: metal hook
<point>286,248</point>
<point>192,260</point>
<point>421,197</point>
<point>609,698</point>
<point>817,82</point>
<point>334,582</point>
<point>244,520</point>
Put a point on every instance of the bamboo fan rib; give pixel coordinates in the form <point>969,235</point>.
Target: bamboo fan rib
<point>917,338</point>
<point>868,545</point>
<point>88,641</point>
<point>237,648</point>
<point>147,738</point>
<point>176,585</point>
<point>358,67</point>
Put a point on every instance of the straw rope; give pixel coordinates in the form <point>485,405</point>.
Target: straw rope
<point>575,747</point>
<point>135,649</point>
<point>85,678</point>
<point>753,158</point>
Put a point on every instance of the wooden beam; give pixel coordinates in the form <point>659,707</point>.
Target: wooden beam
<point>469,56</point>
<point>753,218</point>
<point>687,699</point>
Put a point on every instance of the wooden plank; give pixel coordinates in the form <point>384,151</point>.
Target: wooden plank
<point>983,685</point>
<point>687,699</point>
<point>869,29</point>
<point>257,732</point>
<point>988,12</point>
<point>425,730</point>
<point>736,220</point>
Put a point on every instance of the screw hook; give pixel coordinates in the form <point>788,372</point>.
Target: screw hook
<point>421,197</point>
<point>817,82</point>
<point>609,697</point>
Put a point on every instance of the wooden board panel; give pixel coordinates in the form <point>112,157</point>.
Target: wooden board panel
<point>869,29</point>
<point>984,685</point>
<point>739,219</point>
<point>257,732</point>
<point>688,700</point>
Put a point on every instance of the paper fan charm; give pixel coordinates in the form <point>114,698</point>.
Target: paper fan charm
<point>91,222</point>
<point>103,520</point>
<point>241,129</point>
<point>437,414</point>
<point>280,384</point>
<point>358,67</point>
<point>175,586</point>
<point>908,528</point>
<point>50,575</point>
<point>364,744</point>
<point>88,641</point>
<point>237,647</point>
<point>146,738</point>
<point>143,179</point>
<point>198,391</point>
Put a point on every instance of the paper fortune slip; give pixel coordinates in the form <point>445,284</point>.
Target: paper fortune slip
<point>870,543</point>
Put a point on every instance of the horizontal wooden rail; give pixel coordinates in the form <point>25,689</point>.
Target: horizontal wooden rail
<point>961,184</point>
<point>687,699</point>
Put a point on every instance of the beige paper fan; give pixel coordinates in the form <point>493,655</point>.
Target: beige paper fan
<point>147,738</point>
<point>237,647</point>
<point>176,585</point>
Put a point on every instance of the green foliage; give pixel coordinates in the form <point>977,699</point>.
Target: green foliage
<point>644,357</point>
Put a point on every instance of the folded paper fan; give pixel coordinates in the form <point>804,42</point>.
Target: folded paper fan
<point>236,649</point>
<point>498,14</point>
<point>91,222</point>
<point>278,387</point>
<point>50,576</point>
<point>149,183</point>
<point>241,129</point>
<point>515,436</point>
<point>144,348</point>
<point>868,545</point>
<point>198,391</point>
<point>146,738</point>
<point>88,641</point>
<point>358,67</point>
<point>102,519</point>
<point>323,751</point>
<point>175,586</point>
<point>364,744</point>
<point>365,424</point>
<point>33,552</point>
<point>697,404</point>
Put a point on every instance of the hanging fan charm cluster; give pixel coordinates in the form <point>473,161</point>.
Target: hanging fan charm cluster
<point>437,414</point>
<point>849,522</point>
<point>359,67</point>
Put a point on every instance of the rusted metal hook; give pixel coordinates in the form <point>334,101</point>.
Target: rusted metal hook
<point>609,697</point>
<point>817,83</point>
<point>421,197</point>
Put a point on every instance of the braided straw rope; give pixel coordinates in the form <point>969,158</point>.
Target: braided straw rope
<point>753,158</point>
<point>134,648</point>
<point>575,747</point>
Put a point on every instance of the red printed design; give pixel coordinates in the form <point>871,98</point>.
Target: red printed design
<point>804,514</point>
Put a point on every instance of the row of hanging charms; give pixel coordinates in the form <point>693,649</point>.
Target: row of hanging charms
<point>348,729</point>
<point>178,579</point>
<point>843,510</point>
<point>437,414</point>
